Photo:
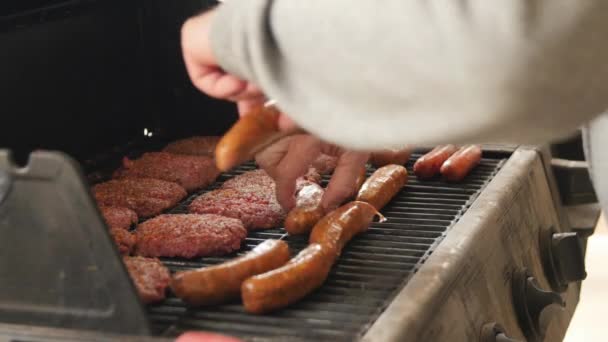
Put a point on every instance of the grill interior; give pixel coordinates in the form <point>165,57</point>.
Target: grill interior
<point>371,270</point>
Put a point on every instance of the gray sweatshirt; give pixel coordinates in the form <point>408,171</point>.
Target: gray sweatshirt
<point>385,73</point>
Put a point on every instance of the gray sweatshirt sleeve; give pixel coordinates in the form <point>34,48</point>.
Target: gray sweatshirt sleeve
<point>374,74</point>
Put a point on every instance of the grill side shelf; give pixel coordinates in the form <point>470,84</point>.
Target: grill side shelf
<point>369,273</point>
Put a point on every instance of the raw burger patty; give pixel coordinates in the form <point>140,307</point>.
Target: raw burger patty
<point>189,236</point>
<point>196,146</point>
<point>118,217</point>
<point>257,210</point>
<point>191,172</point>
<point>250,197</point>
<point>146,196</point>
<point>150,277</point>
<point>251,181</point>
<point>125,240</point>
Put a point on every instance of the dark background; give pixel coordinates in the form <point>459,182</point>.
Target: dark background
<point>84,76</point>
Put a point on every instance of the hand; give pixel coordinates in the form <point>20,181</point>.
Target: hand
<point>204,70</point>
<point>289,158</point>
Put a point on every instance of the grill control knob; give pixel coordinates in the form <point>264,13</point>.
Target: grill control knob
<point>530,301</point>
<point>563,258</point>
<point>493,332</point>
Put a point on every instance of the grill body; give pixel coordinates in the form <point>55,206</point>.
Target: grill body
<point>467,282</point>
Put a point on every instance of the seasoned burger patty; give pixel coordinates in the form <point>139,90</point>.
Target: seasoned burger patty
<point>124,239</point>
<point>118,217</point>
<point>249,197</point>
<point>251,181</point>
<point>191,172</point>
<point>150,277</point>
<point>146,196</point>
<point>256,209</point>
<point>189,236</point>
<point>196,146</point>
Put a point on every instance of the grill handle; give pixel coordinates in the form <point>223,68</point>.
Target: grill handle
<point>58,265</point>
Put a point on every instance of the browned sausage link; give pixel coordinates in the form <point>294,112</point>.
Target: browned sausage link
<point>383,158</point>
<point>285,285</point>
<point>220,283</point>
<point>461,163</point>
<point>336,229</point>
<point>383,185</point>
<point>428,165</point>
<point>308,210</point>
<point>249,135</point>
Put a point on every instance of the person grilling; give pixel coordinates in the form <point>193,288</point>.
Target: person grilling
<point>366,76</point>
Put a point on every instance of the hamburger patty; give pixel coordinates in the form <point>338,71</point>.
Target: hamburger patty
<point>150,277</point>
<point>189,236</point>
<point>256,210</point>
<point>249,197</point>
<point>125,240</point>
<point>191,172</point>
<point>145,196</point>
<point>196,146</point>
<point>118,217</point>
<point>251,181</point>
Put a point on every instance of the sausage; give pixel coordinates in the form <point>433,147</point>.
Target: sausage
<point>429,164</point>
<point>336,229</point>
<point>287,284</point>
<point>386,157</point>
<point>220,283</point>
<point>309,269</point>
<point>383,185</point>
<point>308,210</point>
<point>249,135</point>
<point>461,163</point>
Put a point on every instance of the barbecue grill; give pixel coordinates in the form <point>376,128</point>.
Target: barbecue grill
<point>491,257</point>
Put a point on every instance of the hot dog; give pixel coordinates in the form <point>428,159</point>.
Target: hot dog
<point>249,135</point>
<point>308,210</point>
<point>429,164</point>
<point>220,283</point>
<point>280,287</point>
<point>309,269</point>
<point>383,158</point>
<point>461,163</point>
<point>336,229</point>
<point>383,185</point>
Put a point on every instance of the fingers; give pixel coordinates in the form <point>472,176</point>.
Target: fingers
<point>195,39</point>
<point>303,150</point>
<point>342,185</point>
<point>247,105</point>
<point>287,160</point>
<point>286,124</point>
<point>202,66</point>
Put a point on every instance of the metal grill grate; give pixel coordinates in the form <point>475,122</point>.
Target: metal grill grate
<point>371,270</point>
